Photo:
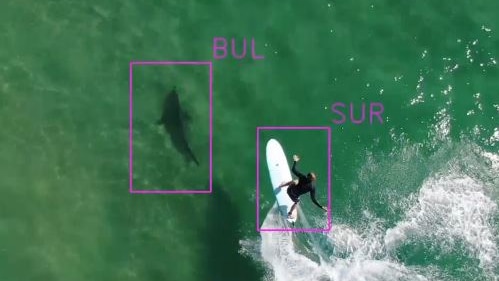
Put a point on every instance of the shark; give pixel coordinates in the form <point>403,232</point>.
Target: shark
<point>174,120</point>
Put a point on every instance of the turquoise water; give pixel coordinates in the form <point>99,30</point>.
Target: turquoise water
<point>414,198</point>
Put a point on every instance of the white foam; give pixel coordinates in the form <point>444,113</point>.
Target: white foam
<point>494,159</point>
<point>278,250</point>
<point>494,139</point>
<point>442,128</point>
<point>449,208</point>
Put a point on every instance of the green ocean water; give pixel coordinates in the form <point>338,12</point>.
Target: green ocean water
<point>414,198</point>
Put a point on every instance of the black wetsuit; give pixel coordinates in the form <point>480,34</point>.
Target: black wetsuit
<point>304,185</point>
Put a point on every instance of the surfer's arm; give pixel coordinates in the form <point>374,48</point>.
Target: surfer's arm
<point>296,172</point>
<point>312,196</point>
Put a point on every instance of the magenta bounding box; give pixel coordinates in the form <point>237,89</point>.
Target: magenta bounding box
<point>329,220</point>
<point>186,191</point>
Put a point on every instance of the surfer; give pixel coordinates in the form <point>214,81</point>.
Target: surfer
<point>303,185</point>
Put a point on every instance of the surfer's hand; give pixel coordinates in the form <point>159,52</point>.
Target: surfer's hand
<point>296,158</point>
<point>324,208</point>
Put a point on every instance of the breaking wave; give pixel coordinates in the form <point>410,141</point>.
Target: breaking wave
<point>450,220</point>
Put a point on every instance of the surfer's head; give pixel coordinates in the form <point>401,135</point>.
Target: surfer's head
<point>311,176</point>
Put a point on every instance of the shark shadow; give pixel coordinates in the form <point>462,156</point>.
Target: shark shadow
<point>175,120</point>
<point>221,260</point>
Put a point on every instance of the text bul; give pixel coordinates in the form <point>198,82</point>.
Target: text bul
<point>220,49</point>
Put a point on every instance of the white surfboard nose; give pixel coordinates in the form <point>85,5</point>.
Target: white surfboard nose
<point>272,143</point>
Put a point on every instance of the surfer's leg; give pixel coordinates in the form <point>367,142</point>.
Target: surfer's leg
<point>293,198</point>
<point>293,208</point>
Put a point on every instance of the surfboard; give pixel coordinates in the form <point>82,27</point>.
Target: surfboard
<point>279,173</point>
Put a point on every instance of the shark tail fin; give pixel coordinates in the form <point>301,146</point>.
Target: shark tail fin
<point>195,160</point>
<point>193,157</point>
